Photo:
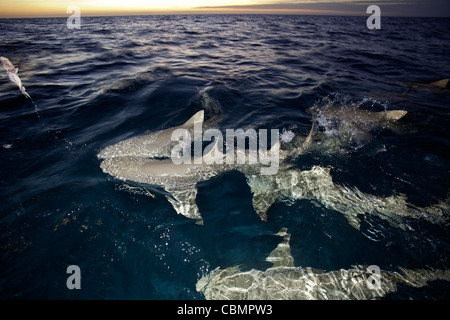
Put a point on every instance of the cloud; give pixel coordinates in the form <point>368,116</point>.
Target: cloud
<point>432,8</point>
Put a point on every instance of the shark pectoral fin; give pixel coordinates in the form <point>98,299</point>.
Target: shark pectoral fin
<point>198,117</point>
<point>183,201</point>
<point>263,188</point>
<point>262,202</point>
<point>312,110</point>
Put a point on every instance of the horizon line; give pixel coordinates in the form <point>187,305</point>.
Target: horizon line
<point>180,13</point>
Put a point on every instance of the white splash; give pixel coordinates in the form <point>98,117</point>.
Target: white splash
<point>286,136</point>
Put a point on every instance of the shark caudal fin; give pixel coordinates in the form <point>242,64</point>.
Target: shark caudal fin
<point>395,114</point>
<point>295,152</point>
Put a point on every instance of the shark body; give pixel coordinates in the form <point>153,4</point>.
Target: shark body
<point>284,281</point>
<point>134,160</point>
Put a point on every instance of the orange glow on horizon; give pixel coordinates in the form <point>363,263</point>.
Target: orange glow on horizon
<point>58,8</point>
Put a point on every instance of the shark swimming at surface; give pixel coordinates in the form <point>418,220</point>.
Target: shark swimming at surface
<point>13,75</point>
<point>349,127</point>
<point>284,281</point>
<point>359,115</point>
<point>145,160</point>
<point>134,160</point>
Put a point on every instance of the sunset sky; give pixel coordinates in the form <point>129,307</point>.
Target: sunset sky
<point>45,8</point>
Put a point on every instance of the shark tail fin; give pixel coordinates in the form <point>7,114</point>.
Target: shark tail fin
<point>305,145</point>
<point>308,139</point>
<point>198,117</point>
<point>395,114</point>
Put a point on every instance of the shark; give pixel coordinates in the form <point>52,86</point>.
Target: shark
<point>347,128</point>
<point>284,281</point>
<point>316,184</point>
<point>359,115</point>
<point>436,84</point>
<point>13,75</point>
<point>147,160</point>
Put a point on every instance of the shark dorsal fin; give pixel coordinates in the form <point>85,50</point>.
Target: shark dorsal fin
<point>281,255</point>
<point>395,114</point>
<point>440,83</point>
<point>276,147</point>
<point>198,117</point>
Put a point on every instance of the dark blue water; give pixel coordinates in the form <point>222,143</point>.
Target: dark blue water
<point>118,77</point>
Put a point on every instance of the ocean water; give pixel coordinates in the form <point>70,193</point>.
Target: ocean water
<point>120,77</point>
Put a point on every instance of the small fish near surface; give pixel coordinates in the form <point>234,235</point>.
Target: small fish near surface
<point>13,75</point>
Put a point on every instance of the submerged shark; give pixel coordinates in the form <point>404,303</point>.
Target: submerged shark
<point>284,281</point>
<point>146,160</point>
<point>13,75</point>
